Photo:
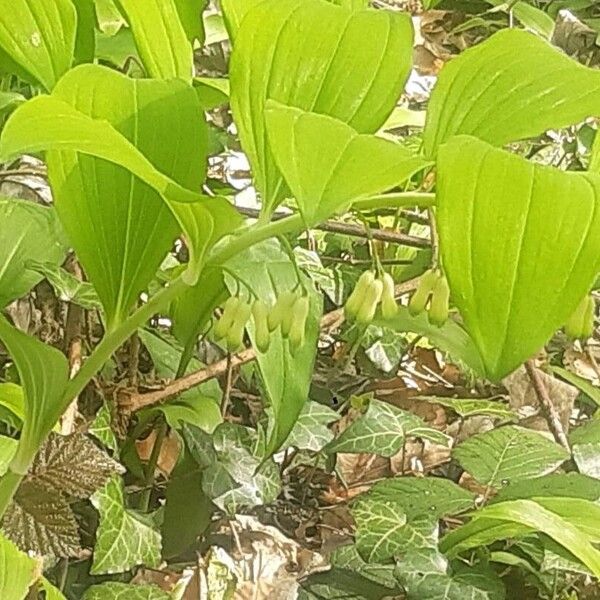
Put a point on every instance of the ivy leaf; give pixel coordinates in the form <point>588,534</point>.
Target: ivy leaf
<point>66,286</point>
<point>72,465</point>
<point>470,407</point>
<point>29,232</point>
<point>123,541</point>
<point>302,53</point>
<point>337,583</point>
<point>113,590</point>
<point>266,270</point>
<point>348,558</point>
<point>43,372</point>
<point>517,270</point>
<point>476,93</point>
<point>327,182</point>
<point>41,521</point>
<point>160,37</point>
<point>17,571</point>
<point>498,457</point>
<point>382,430</point>
<point>311,431</point>
<point>38,39</point>
<point>101,428</point>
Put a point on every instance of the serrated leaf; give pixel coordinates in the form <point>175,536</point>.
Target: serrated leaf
<point>531,515</point>
<point>42,522</point>
<point>311,431</point>
<point>517,270</point>
<point>476,93</point>
<point>29,232</point>
<point>43,373</point>
<point>113,590</point>
<point>17,571</point>
<point>498,457</point>
<point>160,37</point>
<point>382,430</point>
<point>72,465</point>
<point>38,38</point>
<point>123,541</point>
<point>266,270</point>
<point>327,182</point>
<point>49,123</point>
<point>303,53</point>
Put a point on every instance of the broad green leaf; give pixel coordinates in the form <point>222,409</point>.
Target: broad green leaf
<point>48,123</point>
<point>28,232</point>
<point>212,92</point>
<point>510,87</point>
<point>266,270</point>
<point>113,590</point>
<point>347,557</point>
<point>302,53</point>
<point>347,167</point>
<point>108,213</point>
<point>498,457</point>
<point>123,541</point>
<point>470,407</point>
<point>382,430</point>
<point>520,244</point>
<point>532,515</point>
<point>581,513</point>
<point>43,372</point>
<point>10,100</point>
<point>17,571</point>
<point>160,38</point>
<point>37,39</point>
<point>311,431</point>
<point>11,398</point>
<point>450,338</point>
<point>190,15</point>
<point>531,17</point>
<point>234,12</point>
<point>52,592</point>
<point>338,584</point>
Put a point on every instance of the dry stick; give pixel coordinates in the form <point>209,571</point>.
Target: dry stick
<point>136,402</point>
<point>393,237</point>
<point>547,406</point>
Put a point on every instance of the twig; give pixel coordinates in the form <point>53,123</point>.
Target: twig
<point>151,466</point>
<point>548,409</point>
<point>228,386</point>
<point>134,402</point>
<point>393,237</point>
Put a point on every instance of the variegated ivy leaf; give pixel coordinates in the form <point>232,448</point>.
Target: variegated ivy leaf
<point>42,522</point>
<point>123,540</point>
<point>507,454</point>
<point>382,430</point>
<point>124,591</point>
<point>101,428</point>
<point>72,465</point>
<point>311,431</point>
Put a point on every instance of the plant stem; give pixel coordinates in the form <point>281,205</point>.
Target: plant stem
<point>399,200</point>
<point>151,466</point>
<point>9,483</point>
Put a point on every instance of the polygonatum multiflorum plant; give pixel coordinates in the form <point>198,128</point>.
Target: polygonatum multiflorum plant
<point>310,85</point>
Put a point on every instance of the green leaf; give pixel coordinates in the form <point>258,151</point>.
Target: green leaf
<point>587,458</point>
<point>565,485</point>
<point>37,39</point>
<point>517,270</point>
<point>160,38</point>
<point>583,385</point>
<point>11,398</point>
<point>476,93</point>
<point>450,337</point>
<point>470,407</point>
<point>532,515</point>
<point>29,232</point>
<point>506,454</point>
<point>123,541</point>
<point>532,18</point>
<point>85,40</point>
<point>113,590</point>
<point>190,15</point>
<point>66,286</point>
<point>382,430</point>
<point>17,571</point>
<point>338,584</point>
<point>101,428</point>
<point>8,447</point>
<point>52,592</point>
<point>348,166</point>
<point>302,53</point>
<point>266,270</point>
<point>49,123</point>
<point>43,372</point>
<point>311,431</point>
<point>348,558</point>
